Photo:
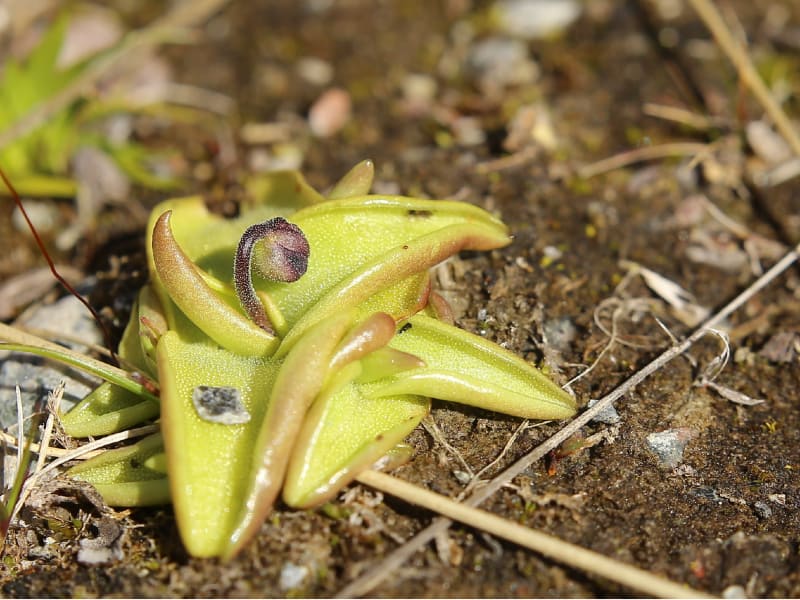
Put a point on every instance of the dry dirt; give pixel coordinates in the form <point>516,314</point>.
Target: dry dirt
<point>727,513</point>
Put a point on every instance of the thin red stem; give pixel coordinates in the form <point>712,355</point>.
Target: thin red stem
<point>54,271</point>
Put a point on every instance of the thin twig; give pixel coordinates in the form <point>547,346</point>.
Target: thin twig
<point>630,157</point>
<point>20,433</point>
<point>37,448</point>
<point>747,72</point>
<point>53,401</point>
<point>391,563</point>
<point>476,478</point>
<point>587,560</point>
<point>430,426</point>
<point>682,116</point>
<point>78,453</point>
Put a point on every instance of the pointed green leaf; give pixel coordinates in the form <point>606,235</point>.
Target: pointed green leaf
<point>465,368</point>
<point>356,182</point>
<point>355,238</point>
<point>345,432</point>
<point>107,409</point>
<point>399,263</point>
<point>128,476</point>
<point>283,191</point>
<point>186,287</point>
<point>299,381</point>
<point>209,463</point>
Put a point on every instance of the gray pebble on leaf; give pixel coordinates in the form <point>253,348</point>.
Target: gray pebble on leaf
<point>220,405</point>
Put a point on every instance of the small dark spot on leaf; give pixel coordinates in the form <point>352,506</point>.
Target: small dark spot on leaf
<point>423,214</point>
<point>404,328</point>
<point>135,463</point>
<point>405,247</point>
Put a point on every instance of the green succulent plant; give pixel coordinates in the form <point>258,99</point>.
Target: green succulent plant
<point>290,356</point>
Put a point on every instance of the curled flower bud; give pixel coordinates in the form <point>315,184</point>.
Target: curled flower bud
<point>279,251</point>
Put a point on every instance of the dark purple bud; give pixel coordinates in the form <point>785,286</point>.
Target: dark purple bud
<point>279,251</point>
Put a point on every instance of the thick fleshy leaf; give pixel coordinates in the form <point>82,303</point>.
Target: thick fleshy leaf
<point>356,182</point>
<point>284,192</point>
<point>399,262</point>
<point>300,379</point>
<point>110,408</point>
<point>107,409</point>
<point>333,446</point>
<point>355,235</point>
<point>186,287</point>
<point>466,368</point>
<point>209,463</point>
<point>129,476</point>
<point>369,335</point>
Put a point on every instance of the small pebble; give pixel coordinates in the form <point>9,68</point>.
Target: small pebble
<point>330,112</point>
<point>767,143</point>
<point>220,405</point>
<point>708,493</point>
<point>733,592</point>
<point>292,576</point>
<point>669,445</point>
<point>552,253</point>
<point>468,131</point>
<point>315,70</point>
<point>462,476</point>
<point>533,19</point>
<point>44,215</point>
<point>560,333</point>
<point>762,510</point>
<point>498,62</point>
<point>608,415</point>
<point>419,90</point>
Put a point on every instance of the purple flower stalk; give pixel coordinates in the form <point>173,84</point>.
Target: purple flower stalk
<point>282,255</point>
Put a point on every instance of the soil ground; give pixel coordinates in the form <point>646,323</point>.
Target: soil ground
<point>727,512</point>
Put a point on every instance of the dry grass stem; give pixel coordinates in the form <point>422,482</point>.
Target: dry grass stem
<point>550,546</point>
<point>433,429</point>
<point>747,71</point>
<point>36,448</point>
<point>377,573</point>
<point>629,157</point>
<point>20,434</point>
<point>81,452</point>
<point>682,116</point>
<point>510,161</point>
<point>53,403</point>
<point>476,478</point>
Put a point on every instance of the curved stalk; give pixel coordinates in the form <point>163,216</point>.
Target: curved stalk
<point>283,257</point>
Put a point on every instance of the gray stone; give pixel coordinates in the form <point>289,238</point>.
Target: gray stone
<point>37,376</point>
